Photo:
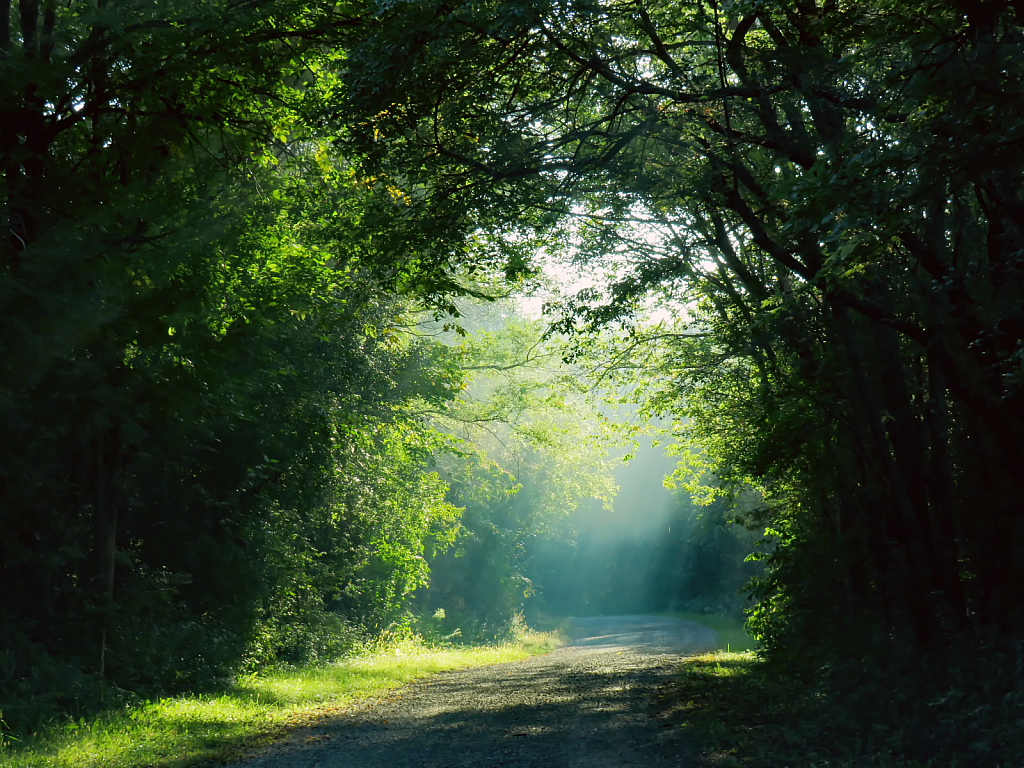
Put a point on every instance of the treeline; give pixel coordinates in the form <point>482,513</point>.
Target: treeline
<point>220,444</point>
<point>534,446</point>
<point>827,197</point>
<point>221,222</point>
<point>651,550</point>
<point>695,561</point>
<point>206,457</point>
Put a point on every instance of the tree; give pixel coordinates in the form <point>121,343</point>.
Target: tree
<point>830,192</point>
<point>198,300</point>
<point>529,447</point>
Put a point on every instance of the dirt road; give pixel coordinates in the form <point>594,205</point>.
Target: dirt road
<point>585,704</point>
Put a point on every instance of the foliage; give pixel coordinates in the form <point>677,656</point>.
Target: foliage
<point>730,630</point>
<point>223,446</point>
<point>207,461</point>
<point>637,558</point>
<point>532,447</point>
<point>828,197</point>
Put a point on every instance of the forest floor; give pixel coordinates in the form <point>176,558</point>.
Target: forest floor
<point>590,703</point>
<point>635,690</point>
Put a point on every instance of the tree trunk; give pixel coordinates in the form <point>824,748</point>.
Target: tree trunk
<point>107,453</point>
<point>940,491</point>
<point>903,525</point>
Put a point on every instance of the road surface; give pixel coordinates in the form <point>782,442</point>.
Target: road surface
<point>584,705</point>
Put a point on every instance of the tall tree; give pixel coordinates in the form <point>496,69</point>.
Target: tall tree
<point>198,296</point>
<point>834,192</point>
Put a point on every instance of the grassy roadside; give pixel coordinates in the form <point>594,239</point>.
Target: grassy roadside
<point>736,712</point>
<point>735,715</point>
<point>732,636</point>
<point>255,710</point>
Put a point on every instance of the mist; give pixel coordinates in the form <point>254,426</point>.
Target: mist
<point>652,551</point>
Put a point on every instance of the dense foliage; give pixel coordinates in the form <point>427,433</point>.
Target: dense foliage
<point>221,429</point>
<point>967,718</point>
<point>223,437</point>
<point>205,458</point>
<point>829,195</point>
<point>533,448</point>
<point>651,550</point>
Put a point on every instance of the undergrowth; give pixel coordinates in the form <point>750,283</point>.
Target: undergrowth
<point>253,711</point>
<point>740,711</point>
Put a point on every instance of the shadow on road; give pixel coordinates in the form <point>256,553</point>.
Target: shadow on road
<point>587,704</point>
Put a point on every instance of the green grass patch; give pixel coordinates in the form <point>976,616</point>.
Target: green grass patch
<point>732,636</point>
<point>256,710</point>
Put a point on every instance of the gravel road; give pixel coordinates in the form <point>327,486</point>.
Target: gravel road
<point>585,704</point>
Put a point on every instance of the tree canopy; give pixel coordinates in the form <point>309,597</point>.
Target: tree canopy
<point>227,435</point>
<point>206,457</point>
<point>830,194</point>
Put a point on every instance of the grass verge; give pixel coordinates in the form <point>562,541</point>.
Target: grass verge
<point>733,714</point>
<point>256,710</point>
<point>739,713</point>
<point>732,636</point>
